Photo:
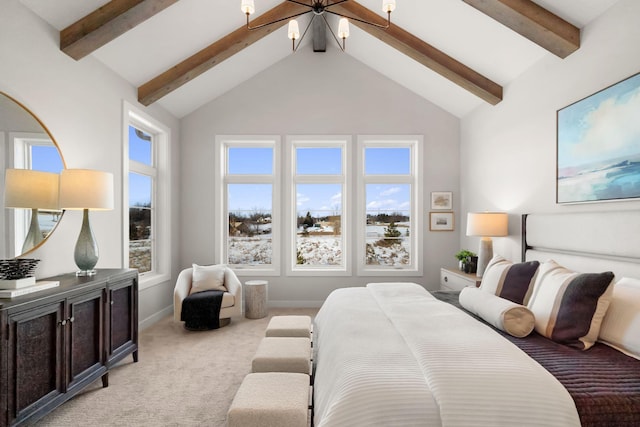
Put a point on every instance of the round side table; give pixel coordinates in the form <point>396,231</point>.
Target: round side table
<point>255,299</point>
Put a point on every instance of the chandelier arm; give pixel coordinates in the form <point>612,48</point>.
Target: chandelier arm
<point>302,4</point>
<point>373,24</point>
<point>295,47</point>
<point>276,21</point>
<point>334,3</point>
<point>340,45</point>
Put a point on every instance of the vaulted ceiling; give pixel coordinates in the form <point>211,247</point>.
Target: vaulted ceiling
<point>182,54</point>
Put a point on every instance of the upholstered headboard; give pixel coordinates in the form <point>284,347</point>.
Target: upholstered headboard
<point>585,241</point>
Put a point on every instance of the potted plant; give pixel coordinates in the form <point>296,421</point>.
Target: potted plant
<point>464,258</point>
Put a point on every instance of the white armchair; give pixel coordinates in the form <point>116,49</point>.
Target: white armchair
<point>231,300</point>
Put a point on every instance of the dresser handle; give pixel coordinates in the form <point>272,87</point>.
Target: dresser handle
<point>446,279</point>
<point>62,322</point>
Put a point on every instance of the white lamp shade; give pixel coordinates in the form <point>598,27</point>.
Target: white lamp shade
<point>388,5</point>
<point>86,189</point>
<point>487,224</point>
<point>29,189</point>
<point>248,7</point>
<point>294,31</point>
<point>343,28</point>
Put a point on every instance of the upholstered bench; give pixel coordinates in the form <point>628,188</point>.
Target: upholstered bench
<point>271,399</point>
<point>283,354</point>
<point>289,326</point>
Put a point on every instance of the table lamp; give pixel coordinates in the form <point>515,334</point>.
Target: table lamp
<point>486,225</point>
<point>31,189</point>
<point>84,189</point>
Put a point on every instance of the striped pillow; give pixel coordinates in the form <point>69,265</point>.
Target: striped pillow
<point>569,306</point>
<point>513,282</point>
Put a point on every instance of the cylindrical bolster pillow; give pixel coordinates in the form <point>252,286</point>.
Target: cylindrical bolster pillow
<point>515,319</point>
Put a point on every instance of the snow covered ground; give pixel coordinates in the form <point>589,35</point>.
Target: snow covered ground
<point>318,250</point>
<point>140,255</point>
<point>321,249</point>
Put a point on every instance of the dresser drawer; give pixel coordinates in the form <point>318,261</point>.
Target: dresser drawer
<point>454,281</point>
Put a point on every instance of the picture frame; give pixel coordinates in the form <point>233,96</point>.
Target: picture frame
<point>598,146</point>
<point>441,200</point>
<point>441,221</point>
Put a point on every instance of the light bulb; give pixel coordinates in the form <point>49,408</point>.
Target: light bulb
<point>388,6</point>
<point>247,7</point>
<point>343,28</point>
<point>294,30</point>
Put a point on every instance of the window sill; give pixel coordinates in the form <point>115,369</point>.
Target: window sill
<point>390,272</point>
<point>240,271</point>
<point>150,280</point>
<point>319,272</point>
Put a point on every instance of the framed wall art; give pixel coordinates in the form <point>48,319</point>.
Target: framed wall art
<point>598,146</point>
<point>441,200</point>
<point>441,221</point>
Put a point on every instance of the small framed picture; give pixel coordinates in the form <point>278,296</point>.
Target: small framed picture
<point>441,221</point>
<point>442,200</point>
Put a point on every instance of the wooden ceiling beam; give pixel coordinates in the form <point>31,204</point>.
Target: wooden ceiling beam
<point>533,22</point>
<point>214,54</point>
<point>423,52</point>
<point>106,23</point>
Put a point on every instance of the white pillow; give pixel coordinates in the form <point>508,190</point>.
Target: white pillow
<point>515,319</point>
<point>207,278</point>
<point>621,325</point>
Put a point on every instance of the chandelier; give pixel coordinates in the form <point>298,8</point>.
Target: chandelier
<point>319,9</point>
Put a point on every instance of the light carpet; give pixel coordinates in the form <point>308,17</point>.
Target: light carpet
<point>182,378</point>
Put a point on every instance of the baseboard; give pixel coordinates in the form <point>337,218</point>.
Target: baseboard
<point>155,317</point>
<point>295,304</point>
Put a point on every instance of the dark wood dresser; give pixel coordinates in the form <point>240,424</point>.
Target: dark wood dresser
<point>55,342</point>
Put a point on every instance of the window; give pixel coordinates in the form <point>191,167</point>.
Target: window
<point>147,197</point>
<point>142,177</point>
<point>317,187</point>
<point>320,184</point>
<point>389,204</point>
<point>248,199</point>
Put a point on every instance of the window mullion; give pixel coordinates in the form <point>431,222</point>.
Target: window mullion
<point>249,179</point>
<point>389,179</point>
<point>143,169</point>
<point>329,179</point>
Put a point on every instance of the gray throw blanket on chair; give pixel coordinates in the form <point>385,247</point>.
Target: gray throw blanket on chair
<point>201,311</point>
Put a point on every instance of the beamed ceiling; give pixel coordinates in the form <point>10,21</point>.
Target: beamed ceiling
<point>182,54</point>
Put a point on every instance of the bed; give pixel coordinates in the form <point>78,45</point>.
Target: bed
<point>393,354</point>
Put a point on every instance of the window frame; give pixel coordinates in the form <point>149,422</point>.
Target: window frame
<point>318,141</point>
<point>415,179</point>
<point>222,179</point>
<point>161,194</point>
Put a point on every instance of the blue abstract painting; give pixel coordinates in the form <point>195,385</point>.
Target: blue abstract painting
<point>599,145</point>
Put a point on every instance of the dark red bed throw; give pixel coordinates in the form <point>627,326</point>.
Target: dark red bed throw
<point>604,383</point>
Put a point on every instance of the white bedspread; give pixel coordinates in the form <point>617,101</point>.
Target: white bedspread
<point>391,354</point>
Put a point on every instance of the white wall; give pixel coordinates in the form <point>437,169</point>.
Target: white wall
<point>81,104</point>
<point>508,152</point>
<point>321,93</point>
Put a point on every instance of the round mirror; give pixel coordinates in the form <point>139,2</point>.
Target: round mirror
<point>26,145</point>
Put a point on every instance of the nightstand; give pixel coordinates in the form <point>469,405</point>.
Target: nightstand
<point>454,280</point>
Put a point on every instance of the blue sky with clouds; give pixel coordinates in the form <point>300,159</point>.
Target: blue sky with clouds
<point>602,126</point>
